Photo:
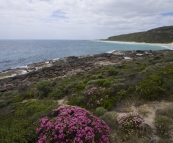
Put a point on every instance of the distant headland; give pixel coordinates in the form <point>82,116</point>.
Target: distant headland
<point>157,35</point>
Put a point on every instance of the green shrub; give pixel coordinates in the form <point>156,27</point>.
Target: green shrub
<point>78,100</point>
<point>100,111</point>
<point>20,123</point>
<point>168,112</point>
<point>100,82</point>
<point>151,88</point>
<point>22,88</point>
<point>100,76</point>
<point>17,98</point>
<point>163,126</point>
<point>121,93</point>
<point>43,89</point>
<point>109,103</point>
<point>112,72</point>
<point>74,87</point>
<point>3,103</point>
<point>57,93</point>
<point>165,141</point>
<point>111,119</point>
<point>158,85</point>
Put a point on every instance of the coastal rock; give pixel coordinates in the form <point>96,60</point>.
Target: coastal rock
<point>69,66</point>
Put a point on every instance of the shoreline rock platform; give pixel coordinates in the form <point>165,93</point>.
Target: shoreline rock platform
<point>47,70</point>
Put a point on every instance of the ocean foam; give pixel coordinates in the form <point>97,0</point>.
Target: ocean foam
<point>168,47</point>
<point>56,59</point>
<point>111,51</point>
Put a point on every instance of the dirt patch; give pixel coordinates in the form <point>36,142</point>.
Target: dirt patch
<point>147,110</point>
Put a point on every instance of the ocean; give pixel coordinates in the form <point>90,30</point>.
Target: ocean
<point>18,53</point>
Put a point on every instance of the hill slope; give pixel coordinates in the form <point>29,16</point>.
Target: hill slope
<point>157,35</point>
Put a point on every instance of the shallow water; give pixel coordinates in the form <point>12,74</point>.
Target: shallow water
<point>16,53</point>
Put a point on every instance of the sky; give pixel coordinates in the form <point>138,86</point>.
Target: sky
<point>81,19</point>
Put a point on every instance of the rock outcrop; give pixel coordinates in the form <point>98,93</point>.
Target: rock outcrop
<point>68,66</point>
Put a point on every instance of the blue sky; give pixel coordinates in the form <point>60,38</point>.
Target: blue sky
<point>167,13</point>
<point>81,19</point>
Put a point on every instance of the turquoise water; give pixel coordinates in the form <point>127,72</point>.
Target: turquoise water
<point>16,53</point>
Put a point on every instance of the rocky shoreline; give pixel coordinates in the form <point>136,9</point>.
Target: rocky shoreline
<point>14,78</point>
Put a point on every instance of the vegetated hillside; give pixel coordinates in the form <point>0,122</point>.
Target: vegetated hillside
<point>157,35</point>
<point>103,91</point>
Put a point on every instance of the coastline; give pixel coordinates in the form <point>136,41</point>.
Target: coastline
<point>34,67</point>
<point>68,66</point>
<point>165,45</point>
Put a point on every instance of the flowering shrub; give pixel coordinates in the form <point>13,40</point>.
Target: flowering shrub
<point>129,123</point>
<point>70,124</point>
<point>95,96</point>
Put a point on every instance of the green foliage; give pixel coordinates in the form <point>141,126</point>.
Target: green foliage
<point>121,93</point>
<point>151,88</point>
<point>111,119</point>
<point>78,100</point>
<point>112,72</point>
<point>57,93</point>
<point>157,85</point>
<point>20,122</point>
<point>158,35</point>
<point>75,87</point>
<point>3,103</point>
<point>168,112</point>
<point>109,103</point>
<point>17,98</point>
<point>94,97</point>
<point>164,126</point>
<point>100,82</point>
<point>100,111</point>
<point>162,140</point>
<point>43,89</point>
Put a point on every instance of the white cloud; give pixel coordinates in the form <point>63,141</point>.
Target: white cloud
<point>80,19</point>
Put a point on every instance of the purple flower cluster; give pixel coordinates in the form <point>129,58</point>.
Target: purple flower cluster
<point>130,122</point>
<point>72,124</point>
<point>95,96</point>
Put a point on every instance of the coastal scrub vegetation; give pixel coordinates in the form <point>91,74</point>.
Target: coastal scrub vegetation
<point>157,35</point>
<point>93,95</point>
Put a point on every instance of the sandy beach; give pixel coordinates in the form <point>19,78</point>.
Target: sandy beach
<point>166,45</point>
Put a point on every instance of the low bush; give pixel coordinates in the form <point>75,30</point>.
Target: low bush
<point>163,126</point>
<point>78,100</point>
<point>158,85</point>
<point>100,82</point>
<point>3,103</point>
<point>112,72</point>
<point>100,111</point>
<point>130,123</point>
<point>17,98</point>
<point>111,119</point>
<point>72,124</point>
<point>43,89</point>
<point>21,120</point>
<point>57,93</point>
<point>151,88</point>
<point>100,97</point>
<point>168,112</point>
<point>165,141</point>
